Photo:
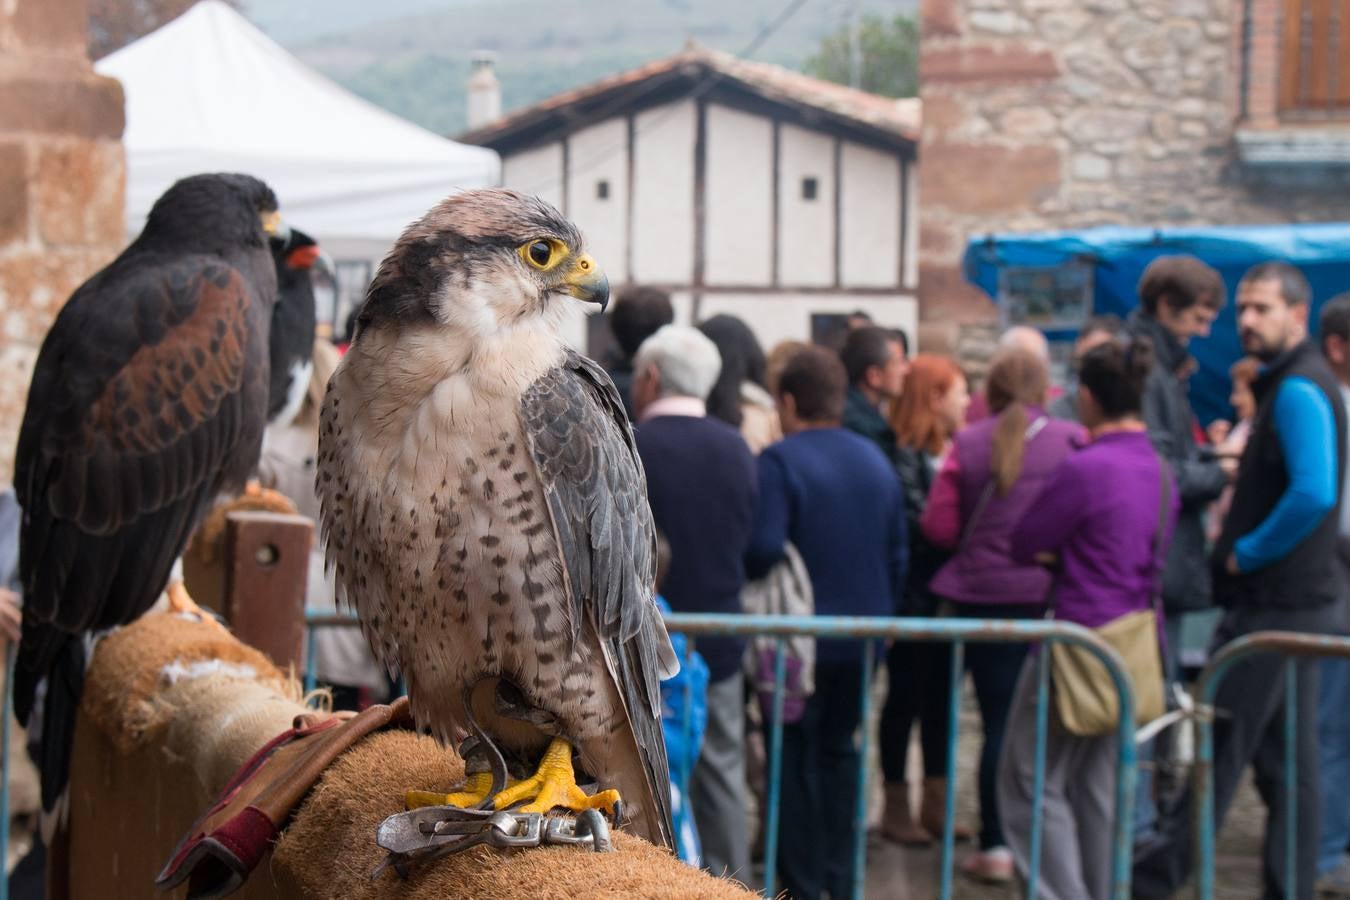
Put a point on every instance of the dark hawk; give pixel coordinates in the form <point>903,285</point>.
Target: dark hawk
<point>148,400</point>
<point>486,510</point>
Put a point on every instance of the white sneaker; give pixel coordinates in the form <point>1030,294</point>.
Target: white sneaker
<point>992,866</point>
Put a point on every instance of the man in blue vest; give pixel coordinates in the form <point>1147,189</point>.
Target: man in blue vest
<point>1274,567</point>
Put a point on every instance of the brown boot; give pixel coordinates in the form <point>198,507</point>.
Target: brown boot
<point>931,812</point>
<point>897,823</point>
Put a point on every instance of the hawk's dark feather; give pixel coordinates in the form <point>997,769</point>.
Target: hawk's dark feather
<point>136,419</point>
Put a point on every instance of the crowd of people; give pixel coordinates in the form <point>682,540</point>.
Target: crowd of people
<point>863,480</point>
<point>900,491</point>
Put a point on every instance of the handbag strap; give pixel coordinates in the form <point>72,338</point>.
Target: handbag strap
<point>1160,536</point>
<point>987,494</point>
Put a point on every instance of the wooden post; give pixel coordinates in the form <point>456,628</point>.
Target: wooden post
<point>266,576</point>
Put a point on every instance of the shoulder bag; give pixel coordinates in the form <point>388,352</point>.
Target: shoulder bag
<point>1085,695</point>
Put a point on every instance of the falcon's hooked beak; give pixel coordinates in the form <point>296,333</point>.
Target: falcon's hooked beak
<point>275,228</point>
<point>587,282</point>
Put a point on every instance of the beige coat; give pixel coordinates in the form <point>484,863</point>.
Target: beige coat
<point>759,418</point>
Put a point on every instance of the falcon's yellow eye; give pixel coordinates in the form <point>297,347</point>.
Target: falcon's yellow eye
<point>544,253</point>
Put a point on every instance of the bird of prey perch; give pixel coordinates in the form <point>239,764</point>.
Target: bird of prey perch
<point>148,400</point>
<point>486,512</point>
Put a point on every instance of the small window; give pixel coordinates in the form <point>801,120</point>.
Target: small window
<point>602,189</point>
<point>810,188</point>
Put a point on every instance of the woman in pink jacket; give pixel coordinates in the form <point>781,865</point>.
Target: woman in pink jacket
<point>995,470</point>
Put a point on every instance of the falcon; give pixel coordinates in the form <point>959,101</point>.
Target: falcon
<point>485,511</point>
<point>148,399</point>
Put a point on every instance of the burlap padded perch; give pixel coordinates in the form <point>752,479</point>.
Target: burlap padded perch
<point>151,754</point>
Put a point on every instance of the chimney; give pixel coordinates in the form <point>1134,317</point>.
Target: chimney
<point>485,92</point>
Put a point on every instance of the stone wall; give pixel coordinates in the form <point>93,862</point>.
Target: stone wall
<point>62,180</point>
<point>1049,114</point>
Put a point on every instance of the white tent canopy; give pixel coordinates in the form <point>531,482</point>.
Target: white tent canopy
<point>211,93</point>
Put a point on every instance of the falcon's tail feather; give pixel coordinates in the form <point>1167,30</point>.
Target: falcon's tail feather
<point>637,677</point>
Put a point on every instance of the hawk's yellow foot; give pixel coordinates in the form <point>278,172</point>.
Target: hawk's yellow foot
<point>554,784</point>
<point>182,604</point>
<point>473,792</point>
<point>257,496</point>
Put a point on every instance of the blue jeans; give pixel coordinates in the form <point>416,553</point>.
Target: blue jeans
<point>1333,745</point>
<point>819,787</point>
<point>994,668</point>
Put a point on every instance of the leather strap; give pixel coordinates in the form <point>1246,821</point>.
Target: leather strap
<point>1160,536</point>
<point>987,494</point>
<point>230,838</point>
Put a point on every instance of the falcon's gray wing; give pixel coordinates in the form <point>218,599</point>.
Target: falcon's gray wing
<point>583,446</point>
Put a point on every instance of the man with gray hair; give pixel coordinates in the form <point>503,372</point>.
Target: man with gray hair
<point>1024,337</point>
<point>1018,337</point>
<point>703,486</point>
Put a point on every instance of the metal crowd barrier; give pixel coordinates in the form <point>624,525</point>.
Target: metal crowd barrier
<point>957,632</point>
<point>1293,647</point>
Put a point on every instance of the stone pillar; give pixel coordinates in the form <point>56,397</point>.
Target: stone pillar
<point>62,184</point>
<point>977,171</point>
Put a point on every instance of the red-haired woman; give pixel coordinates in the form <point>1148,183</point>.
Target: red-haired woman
<point>924,418</point>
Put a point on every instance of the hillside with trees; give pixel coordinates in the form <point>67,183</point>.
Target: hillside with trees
<point>416,64</point>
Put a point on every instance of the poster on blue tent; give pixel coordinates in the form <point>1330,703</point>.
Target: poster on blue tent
<point>1054,281</point>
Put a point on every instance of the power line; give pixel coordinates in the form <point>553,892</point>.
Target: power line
<point>699,88</point>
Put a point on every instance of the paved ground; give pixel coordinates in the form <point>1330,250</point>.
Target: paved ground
<point>900,873</point>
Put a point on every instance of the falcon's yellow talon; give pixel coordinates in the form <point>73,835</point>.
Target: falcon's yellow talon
<point>554,784</point>
<point>473,792</point>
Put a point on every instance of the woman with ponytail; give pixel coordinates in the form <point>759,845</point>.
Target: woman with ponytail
<point>995,470</point>
<point>1108,547</point>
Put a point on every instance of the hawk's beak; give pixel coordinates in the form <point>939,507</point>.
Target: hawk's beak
<point>587,282</point>
<point>275,228</point>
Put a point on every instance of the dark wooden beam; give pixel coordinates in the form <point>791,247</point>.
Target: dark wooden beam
<point>904,222</point>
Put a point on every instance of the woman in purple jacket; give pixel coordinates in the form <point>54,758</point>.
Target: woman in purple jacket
<point>1098,521</point>
<point>995,470</point>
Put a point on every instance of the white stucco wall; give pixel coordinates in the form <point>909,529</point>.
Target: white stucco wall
<point>780,317</point>
<point>537,171</point>
<point>739,206</point>
<point>806,227</point>
<point>595,154</point>
<point>870,217</point>
<point>739,237</point>
<point>663,202</point>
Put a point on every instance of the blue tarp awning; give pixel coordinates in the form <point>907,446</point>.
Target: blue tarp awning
<point>1119,255</point>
